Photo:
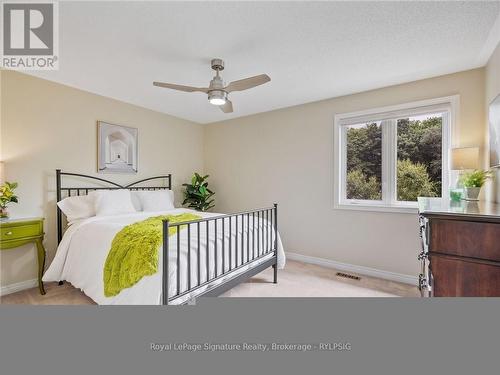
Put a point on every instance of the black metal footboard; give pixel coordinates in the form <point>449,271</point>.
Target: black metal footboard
<point>214,254</point>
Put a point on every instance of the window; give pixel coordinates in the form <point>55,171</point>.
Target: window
<point>387,157</point>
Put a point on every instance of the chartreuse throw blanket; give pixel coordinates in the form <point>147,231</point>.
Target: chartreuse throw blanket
<point>134,252</point>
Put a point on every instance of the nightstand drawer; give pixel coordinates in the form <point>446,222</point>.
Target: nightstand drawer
<point>20,231</point>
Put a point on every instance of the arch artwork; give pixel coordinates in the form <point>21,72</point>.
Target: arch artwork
<point>117,148</point>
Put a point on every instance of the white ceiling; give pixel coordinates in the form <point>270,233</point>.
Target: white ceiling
<point>312,51</point>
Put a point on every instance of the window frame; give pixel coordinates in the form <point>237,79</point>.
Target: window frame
<point>388,115</point>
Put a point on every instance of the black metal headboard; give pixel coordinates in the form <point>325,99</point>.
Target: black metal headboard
<point>63,192</point>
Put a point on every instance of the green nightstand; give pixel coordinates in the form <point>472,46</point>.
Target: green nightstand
<point>18,232</point>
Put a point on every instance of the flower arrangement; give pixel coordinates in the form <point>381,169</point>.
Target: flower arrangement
<point>7,196</point>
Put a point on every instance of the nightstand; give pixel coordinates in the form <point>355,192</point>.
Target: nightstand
<point>18,232</point>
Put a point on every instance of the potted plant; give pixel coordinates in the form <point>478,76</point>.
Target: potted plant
<point>7,196</point>
<point>473,181</point>
<point>197,194</point>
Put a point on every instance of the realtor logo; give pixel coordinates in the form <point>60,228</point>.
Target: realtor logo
<point>29,36</point>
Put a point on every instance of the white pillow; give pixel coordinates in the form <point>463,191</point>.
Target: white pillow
<point>78,207</point>
<point>156,200</point>
<point>113,202</point>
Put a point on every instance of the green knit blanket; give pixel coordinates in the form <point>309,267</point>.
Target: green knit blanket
<point>134,252</point>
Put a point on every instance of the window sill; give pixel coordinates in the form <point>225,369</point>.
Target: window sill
<point>402,209</point>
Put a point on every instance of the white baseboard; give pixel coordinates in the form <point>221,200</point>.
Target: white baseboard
<point>12,288</point>
<point>367,271</point>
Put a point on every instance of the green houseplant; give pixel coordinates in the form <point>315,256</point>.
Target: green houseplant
<point>473,181</point>
<point>197,194</point>
<point>7,196</point>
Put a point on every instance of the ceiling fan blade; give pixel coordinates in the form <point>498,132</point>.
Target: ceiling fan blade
<point>227,107</point>
<point>181,87</point>
<point>247,83</point>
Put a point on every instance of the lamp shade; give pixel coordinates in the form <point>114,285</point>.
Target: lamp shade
<point>465,158</point>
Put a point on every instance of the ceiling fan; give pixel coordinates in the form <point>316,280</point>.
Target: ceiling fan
<point>217,90</point>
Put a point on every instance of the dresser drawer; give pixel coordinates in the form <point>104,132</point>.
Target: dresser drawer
<point>455,277</point>
<point>465,238</point>
<point>20,231</point>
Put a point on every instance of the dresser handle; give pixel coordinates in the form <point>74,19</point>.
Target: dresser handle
<point>8,234</point>
<point>423,255</point>
<point>422,282</point>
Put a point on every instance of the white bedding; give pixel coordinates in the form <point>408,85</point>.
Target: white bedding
<point>83,250</point>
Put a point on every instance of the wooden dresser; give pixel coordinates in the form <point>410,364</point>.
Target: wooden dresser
<point>460,254</point>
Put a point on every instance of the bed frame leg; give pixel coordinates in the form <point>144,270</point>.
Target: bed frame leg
<point>165,273</point>
<point>60,282</point>
<point>275,267</point>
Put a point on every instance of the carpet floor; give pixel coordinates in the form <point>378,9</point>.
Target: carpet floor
<point>296,280</point>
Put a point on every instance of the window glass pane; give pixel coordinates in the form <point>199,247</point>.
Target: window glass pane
<point>419,164</point>
<point>364,161</point>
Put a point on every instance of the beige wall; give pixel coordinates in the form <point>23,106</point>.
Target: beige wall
<point>45,125</point>
<point>492,89</point>
<point>286,156</point>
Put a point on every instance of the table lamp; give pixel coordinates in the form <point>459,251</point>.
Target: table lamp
<point>463,158</point>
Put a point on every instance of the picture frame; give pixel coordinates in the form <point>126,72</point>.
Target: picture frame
<point>117,148</point>
<point>494,132</point>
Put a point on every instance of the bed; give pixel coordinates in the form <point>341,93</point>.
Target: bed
<point>205,257</point>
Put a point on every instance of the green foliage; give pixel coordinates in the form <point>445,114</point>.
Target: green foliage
<point>7,194</point>
<point>197,194</point>
<point>360,186</point>
<point>413,181</point>
<point>475,178</point>
<point>364,150</point>
<point>420,141</point>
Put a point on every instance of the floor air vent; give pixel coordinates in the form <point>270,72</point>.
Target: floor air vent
<point>347,276</point>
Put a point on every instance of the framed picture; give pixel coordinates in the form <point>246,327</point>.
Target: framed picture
<point>494,118</point>
<point>116,148</point>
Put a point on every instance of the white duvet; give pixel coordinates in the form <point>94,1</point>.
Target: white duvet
<point>86,243</point>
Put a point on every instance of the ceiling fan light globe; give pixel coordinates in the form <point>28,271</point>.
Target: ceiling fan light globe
<point>217,97</point>
<point>217,101</point>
